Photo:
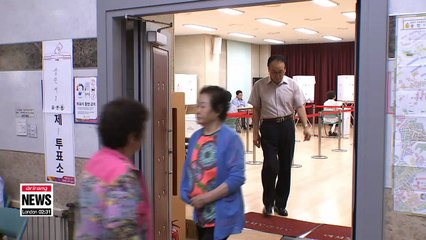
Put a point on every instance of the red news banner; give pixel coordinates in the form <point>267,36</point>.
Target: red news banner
<point>36,199</point>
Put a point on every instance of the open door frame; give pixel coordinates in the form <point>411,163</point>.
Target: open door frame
<point>369,152</point>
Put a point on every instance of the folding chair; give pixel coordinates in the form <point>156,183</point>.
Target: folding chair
<point>329,119</point>
<point>11,224</point>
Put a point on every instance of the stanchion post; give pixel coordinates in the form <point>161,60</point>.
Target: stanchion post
<point>319,156</point>
<point>254,162</point>
<point>339,145</point>
<point>247,136</point>
<point>313,118</point>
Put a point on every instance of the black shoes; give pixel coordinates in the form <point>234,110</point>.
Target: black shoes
<point>267,211</point>
<point>332,134</point>
<point>281,211</point>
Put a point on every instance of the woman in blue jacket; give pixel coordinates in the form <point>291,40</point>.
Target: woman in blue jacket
<point>214,170</point>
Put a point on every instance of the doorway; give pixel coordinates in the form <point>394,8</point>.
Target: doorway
<point>108,55</point>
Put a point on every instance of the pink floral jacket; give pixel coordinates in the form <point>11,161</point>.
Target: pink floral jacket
<point>113,199</point>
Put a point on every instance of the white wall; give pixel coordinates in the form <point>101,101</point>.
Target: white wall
<point>212,62</point>
<point>232,69</point>
<point>35,21</point>
<point>264,54</point>
<point>38,20</point>
<point>239,68</point>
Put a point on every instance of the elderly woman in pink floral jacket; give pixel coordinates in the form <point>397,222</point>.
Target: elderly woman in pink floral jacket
<point>113,197</point>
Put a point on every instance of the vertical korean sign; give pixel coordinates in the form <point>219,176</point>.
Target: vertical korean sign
<point>58,111</point>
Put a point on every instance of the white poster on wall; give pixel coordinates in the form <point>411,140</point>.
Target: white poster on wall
<point>57,76</point>
<point>85,100</point>
<point>59,148</point>
<point>346,88</point>
<point>307,85</point>
<point>187,83</point>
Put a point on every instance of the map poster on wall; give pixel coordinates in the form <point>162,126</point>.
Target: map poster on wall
<point>57,76</point>
<point>85,100</point>
<point>410,189</point>
<point>187,83</point>
<point>59,148</point>
<point>307,85</point>
<point>346,88</point>
<point>410,116</point>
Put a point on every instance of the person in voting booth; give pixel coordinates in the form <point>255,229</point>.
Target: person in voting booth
<point>274,99</point>
<point>331,102</point>
<point>113,197</point>
<point>213,171</point>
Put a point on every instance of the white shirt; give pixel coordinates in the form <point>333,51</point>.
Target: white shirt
<point>332,103</point>
<point>276,100</point>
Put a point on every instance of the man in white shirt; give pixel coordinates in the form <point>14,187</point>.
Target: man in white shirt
<point>239,102</point>
<point>274,99</point>
<point>331,102</point>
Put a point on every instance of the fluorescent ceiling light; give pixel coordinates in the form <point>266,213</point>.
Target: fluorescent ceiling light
<point>351,15</point>
<point>242,35</point>
<point>333,38</point>
<point>306,31</point>
<point>273,41</point>
<point>199,27</point>
<point>271,22</point>
<point>325,3</point>
<point>230,11</point>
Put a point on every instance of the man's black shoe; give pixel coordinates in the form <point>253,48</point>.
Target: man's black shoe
<point>281,211</point>
<point>267,211</point>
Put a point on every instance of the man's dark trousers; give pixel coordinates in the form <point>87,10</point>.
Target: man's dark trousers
<point>277,140</point>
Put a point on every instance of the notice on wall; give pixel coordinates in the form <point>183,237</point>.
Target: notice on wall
<point>25,112</point>
<point>21,126</point>
<point>85,100</point>
<point>57,76</point>
<point>409,165</point>
<point>307,85</point>
<point>59,148</point>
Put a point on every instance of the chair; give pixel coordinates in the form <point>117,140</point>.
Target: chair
<point>330,119</point>
<point>11,224</point>
<point>232,123</point>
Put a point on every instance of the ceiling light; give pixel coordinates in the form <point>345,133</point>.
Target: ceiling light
<point>325,3</point>
<point>230,11</point>
<point>306,31</point>
<point>351,15</point>
<point>333,38</point>
<point>271,22</point>
<point>273,41</point>
<point>242,35</point>
<point>199,27</point>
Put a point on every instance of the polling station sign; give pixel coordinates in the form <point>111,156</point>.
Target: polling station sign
<point>36,200</point>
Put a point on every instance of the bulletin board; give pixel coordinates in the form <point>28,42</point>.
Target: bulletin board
<point>187,83</point>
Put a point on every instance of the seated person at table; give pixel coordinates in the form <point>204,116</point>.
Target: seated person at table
<point>331,102</point>
<point>232,122</point>
<point>239,102</point>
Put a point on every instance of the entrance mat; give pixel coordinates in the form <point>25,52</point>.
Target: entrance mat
<point>329,232</point>
<point>277,225</point>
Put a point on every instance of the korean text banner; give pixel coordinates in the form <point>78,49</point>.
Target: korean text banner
<point>59,148</point>
<point>57,76</point>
